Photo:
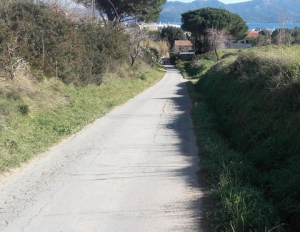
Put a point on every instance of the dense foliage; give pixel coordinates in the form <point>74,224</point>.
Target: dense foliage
<point>199,21</point>
<point>115,10</point>
<point>280,36</point>
<point>171,34</point>
<point>77,52</point>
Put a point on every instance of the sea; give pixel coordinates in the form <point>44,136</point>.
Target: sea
<point>268,26</point>
<point>272,26</point>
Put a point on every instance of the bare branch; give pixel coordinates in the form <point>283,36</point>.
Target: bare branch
<point>137,36</point>
<point>217,39</point>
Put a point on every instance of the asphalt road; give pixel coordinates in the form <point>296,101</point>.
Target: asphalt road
<point>134,170</point>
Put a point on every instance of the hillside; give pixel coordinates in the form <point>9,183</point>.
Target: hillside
<point>172,10</point>
<point>255,11</point>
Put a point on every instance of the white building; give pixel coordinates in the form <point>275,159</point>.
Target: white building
<point>244,43</point>
<point>156,26</point>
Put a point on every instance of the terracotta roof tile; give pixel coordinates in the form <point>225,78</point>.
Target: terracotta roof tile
<point>253,34</point>
<point>183,43</point>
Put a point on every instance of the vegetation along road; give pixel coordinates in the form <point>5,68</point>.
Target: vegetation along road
<point>133,170</point>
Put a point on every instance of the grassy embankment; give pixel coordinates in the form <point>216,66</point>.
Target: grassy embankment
<point>246,113</point>
<point>201,64</point>
<point>37,114</point>
<point>57,75</point>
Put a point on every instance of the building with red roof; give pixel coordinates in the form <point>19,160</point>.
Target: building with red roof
<point>253,34</point>
<point>244,43</point>
<point>183,46</point>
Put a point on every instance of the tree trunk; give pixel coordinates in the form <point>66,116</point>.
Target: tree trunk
<point>110,15</point>
<point>216,52</point>
<point>132,60</point>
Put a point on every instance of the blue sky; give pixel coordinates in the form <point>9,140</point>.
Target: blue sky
<point>225,1</point>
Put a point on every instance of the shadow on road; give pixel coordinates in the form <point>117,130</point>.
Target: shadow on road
<point>181,125</point>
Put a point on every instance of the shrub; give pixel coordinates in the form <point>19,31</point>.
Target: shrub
<point>76,52</point>
<point>24,109</point>
<point>106,48</point>
<point>44,38</point>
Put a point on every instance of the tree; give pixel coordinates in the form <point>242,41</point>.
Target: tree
<point>296,35</point>
<point>171,34</point>
<point>217,38</point>
<point>115,10</point>
<point>199,21</point>
<point>161,47</point>
<point>137,36</point>
<point>155,35</point>
<point>282,36</point>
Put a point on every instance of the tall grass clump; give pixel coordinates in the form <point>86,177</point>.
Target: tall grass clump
<point>256,101</point>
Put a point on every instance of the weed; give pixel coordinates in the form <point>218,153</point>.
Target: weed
<point>24,109</point>
<point>143,76</point>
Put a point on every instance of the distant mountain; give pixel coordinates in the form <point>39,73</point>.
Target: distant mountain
<point>255,11</point>
<point>172,10</point>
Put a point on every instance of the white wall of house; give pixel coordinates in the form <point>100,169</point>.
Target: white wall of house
<point>245,43</point>
<point>150,26</point>
<point>183,48</point>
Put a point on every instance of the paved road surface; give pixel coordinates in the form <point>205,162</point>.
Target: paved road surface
<point>133,170</point>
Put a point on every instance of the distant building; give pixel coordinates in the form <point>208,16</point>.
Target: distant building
<point>162,25</point>
<point>183,46</point>
<point>130,25</point>
<point>253,34</point>
<point>149,26</point>
<point>156,26</point>
<point>244,43</point>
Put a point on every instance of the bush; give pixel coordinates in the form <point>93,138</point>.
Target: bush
<point>76,52</point>
<point>106,48</point>
<point>196,68</point>
<point>24,109</point>
<point>44,38</point>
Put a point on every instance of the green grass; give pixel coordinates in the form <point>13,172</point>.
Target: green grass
<point>198,67</point>
<point>194,69</point>
<point>248,126</point>
<point>36,115</point>
<point>236,204</point>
